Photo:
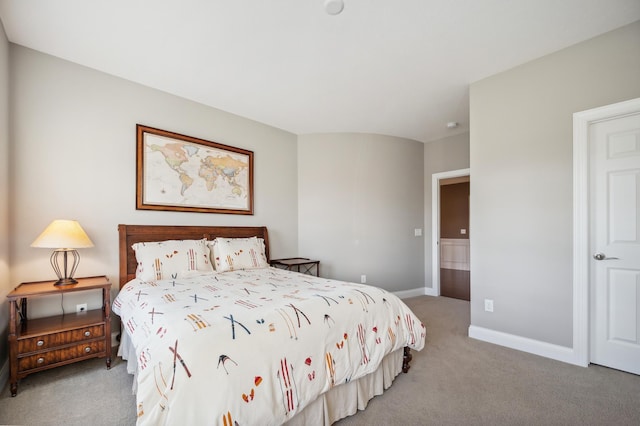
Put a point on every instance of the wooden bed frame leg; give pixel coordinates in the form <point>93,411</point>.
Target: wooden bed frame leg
<point>406,359</point>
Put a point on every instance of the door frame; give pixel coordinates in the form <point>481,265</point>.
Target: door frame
<point>581,255</point>
<point>435,224</point>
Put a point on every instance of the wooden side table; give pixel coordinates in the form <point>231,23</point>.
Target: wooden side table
<point>43,343</point>
<point>296,263</point>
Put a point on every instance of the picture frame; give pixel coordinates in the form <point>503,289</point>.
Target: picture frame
<point>175,172</point>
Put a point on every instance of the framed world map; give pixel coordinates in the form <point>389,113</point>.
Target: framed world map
<point>182,173</point>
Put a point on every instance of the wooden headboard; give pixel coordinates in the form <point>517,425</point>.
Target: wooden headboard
<point>131,234</point>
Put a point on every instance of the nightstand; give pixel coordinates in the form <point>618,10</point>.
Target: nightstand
<point>43,343</point>
<point>295,263</point>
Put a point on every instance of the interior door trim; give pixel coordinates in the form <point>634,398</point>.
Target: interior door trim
<point>581,255</point>
<point>435,225</point>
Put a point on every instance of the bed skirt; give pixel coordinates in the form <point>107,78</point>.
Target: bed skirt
<point>340,402</point>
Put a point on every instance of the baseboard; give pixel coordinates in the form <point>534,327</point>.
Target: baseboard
<point>404,294</point>
<point>4,374</point>
<point>430,291</point>
<point>536,347</point>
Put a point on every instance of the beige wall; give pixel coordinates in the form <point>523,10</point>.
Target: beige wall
<point>5,282</point>
<point>360,198</point>
<point>73,156</point>
<point>521,185</point>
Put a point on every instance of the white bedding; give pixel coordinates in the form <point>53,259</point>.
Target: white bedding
<point>256,346</point>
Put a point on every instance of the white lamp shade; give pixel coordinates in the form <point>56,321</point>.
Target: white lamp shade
<point>63,234</point>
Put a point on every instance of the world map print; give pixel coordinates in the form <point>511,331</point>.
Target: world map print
<point>183,173</point>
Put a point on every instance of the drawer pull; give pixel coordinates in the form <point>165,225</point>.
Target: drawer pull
<point>40,342</point>
<point>87,349</point>
<point>87,333</point>
<point>40,360</point>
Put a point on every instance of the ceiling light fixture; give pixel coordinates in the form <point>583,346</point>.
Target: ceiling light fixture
<point>333,7</point>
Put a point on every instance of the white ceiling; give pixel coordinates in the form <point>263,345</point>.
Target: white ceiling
<point>394,67</point>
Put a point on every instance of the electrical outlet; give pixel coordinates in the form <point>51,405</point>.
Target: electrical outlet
<point>363,279</point>
<point>82,307</point>
<point>488,305</point>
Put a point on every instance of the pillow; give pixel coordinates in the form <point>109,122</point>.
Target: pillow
<point>231,254</point>
<point>171,259</point>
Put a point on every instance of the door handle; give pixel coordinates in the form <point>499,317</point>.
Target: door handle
<point>602,256</point>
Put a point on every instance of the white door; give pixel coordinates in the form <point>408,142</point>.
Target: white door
<point>614,181</point>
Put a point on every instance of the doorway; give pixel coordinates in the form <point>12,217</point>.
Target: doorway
<point>454,238</point>
<point>606,242</point>
<point>450,234</point>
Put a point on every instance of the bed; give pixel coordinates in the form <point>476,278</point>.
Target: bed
<point>247,343</point>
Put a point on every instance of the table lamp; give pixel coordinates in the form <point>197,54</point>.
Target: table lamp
<point>65,236</point>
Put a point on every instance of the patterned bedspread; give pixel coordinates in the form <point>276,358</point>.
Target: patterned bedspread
<point>256,346</point>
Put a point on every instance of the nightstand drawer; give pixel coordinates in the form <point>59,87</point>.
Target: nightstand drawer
<point>60,355</point>
<point>54,340</point>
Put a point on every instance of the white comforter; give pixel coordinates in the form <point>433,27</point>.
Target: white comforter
<point>254,347</point>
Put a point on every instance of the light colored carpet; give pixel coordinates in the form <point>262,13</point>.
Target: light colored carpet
<point>85,393</point>
<point>455,380</point>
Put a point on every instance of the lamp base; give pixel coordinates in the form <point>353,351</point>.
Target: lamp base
<point>65,281</point>
<point>60,266</point>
